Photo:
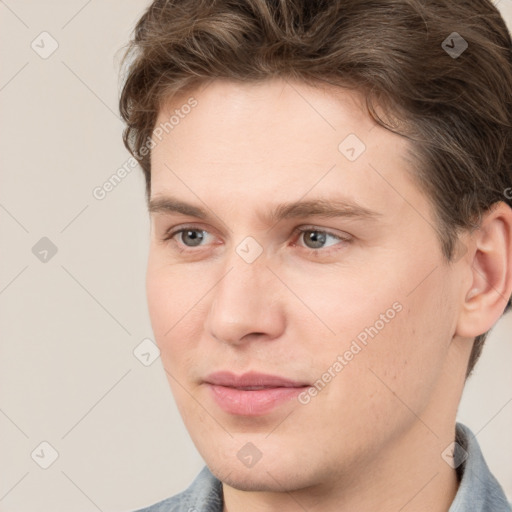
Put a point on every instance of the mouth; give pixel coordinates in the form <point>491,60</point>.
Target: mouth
<point>251,394</point>
<point>253,388</point>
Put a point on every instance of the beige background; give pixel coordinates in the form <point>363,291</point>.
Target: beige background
<point>69,325</point>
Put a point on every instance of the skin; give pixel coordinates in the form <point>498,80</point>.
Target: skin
<point>372,438</point>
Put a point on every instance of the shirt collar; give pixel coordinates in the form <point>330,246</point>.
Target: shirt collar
<point>478,490</point>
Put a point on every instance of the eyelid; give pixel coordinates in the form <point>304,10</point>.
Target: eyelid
<point>302,229</point>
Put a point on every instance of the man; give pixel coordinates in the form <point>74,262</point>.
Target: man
<point>329,191</point>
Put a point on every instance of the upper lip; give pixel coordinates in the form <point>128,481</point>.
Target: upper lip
<point>251,379</point>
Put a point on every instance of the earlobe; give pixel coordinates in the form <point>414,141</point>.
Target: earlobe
<point>490,263</point>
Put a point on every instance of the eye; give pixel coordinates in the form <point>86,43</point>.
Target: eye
<point>194,236</point>
<point>314,238</point>
<point>188,236</point>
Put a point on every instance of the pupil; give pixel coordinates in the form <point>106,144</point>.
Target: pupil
<point>195,236</point>
<point>317,238</point>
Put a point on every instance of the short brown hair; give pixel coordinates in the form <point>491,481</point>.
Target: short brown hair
<point>455,109</point>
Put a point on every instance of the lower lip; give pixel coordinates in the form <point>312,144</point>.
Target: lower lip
<point>252,403</point>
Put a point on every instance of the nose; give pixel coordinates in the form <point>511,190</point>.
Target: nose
<point>246,303</point>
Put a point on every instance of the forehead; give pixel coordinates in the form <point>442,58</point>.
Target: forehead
<point>288,139</point>
<point>271,111</point>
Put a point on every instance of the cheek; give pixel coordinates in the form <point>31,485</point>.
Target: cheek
<point>390,340</point>
<point>165,309</point>
<point>407,357</point>
<point>175,308</point>
<point>169,293</point>
<point>159,301</point>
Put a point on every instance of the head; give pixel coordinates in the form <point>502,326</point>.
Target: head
<point>263,116</point>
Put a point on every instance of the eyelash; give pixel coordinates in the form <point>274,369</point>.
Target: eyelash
<point>169,235</point>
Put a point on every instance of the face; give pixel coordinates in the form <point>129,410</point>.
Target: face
<point>295,283</point>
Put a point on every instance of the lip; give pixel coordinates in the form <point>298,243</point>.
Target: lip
<point>234,395</point>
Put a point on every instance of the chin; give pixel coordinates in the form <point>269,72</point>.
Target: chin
<point>250,483</point>
<point>260,478</point>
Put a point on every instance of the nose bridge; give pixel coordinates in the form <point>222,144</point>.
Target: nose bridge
<point>238,293</point>
<point>242,300</point>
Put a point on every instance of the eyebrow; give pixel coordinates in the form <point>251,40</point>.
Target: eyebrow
<point>303,208</point>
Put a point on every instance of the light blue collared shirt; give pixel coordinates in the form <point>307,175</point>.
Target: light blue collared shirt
<point>478,490</point>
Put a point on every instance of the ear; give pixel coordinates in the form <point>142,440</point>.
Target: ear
<point>490,283</point>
